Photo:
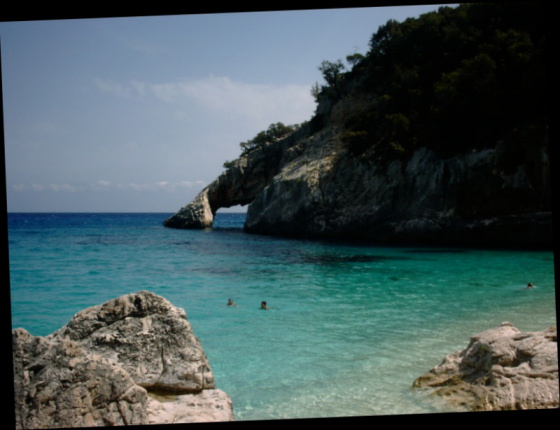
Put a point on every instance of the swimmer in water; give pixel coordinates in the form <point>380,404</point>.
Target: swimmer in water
<point>529,285</point>
<point>263,305</point>
<point>230,302</point>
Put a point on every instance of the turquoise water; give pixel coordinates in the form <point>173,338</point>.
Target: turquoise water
<point>349,327</point>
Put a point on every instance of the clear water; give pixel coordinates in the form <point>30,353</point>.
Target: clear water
<point>349,327</point>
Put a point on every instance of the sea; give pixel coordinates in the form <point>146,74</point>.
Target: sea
<point>349,328</point>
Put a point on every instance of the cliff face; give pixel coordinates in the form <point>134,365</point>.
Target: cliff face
<point>465,199</point>
<point>421,142</point>
<point>240,184</point>
<point>313,185</point>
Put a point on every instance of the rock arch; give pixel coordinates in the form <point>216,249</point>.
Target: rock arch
<point>240,184</point>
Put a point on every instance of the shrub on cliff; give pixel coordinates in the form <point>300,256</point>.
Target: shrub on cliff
<point>274,132</point>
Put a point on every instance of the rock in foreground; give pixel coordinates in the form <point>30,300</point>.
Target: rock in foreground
<point>501,369</point>
<point>133,360</point>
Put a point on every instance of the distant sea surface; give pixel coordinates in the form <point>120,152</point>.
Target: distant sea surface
<point>350,326</point>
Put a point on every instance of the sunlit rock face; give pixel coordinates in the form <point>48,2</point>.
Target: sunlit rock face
<point>312,185</point>
<point>132,360</point>
<point>500,369</point>
<point>239,184</point>
<point>461,200</point>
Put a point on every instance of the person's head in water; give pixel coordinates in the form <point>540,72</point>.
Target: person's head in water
<point>230,302</point>
<point>263,305</point>
<point>529,285</point>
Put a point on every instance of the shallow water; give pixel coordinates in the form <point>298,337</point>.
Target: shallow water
<point>349,327</point>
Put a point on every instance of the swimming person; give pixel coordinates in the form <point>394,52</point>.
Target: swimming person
<point>263,305</point>
<point>230,302</point>
<point>529,285</point>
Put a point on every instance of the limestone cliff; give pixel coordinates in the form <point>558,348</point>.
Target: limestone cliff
<point>240,184</point>
<point>447,147</point>
<point>312,185</point>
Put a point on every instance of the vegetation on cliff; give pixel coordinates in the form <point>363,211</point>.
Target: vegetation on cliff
<point>451,80</point>
<point>455,79</point>
<point>273,133</point>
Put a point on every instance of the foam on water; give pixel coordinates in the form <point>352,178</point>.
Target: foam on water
<point>350,326</point>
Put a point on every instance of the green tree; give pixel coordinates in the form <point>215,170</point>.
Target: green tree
<point>354,59</point>
<point>274,132</point>
<point>384,36</point>
<point>333,73</point>
<point>316,91</point>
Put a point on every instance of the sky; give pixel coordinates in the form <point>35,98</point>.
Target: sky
<point>139,114</point>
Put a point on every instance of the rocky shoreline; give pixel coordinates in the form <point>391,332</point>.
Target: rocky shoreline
<point>501,369</point>
<point>133,360</point>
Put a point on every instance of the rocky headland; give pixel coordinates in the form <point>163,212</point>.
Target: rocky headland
<point>130,361</point>
<point>501,369</point>
<point>449,147</point>
<point>316,188</point>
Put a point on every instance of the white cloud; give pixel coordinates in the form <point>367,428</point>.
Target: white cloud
<point>251,100</point>
<point>62,187</point>
<point>286,103</point>
<point>138,187</point>
<point>38,187</point>
<point>139,87</point>
<point>117,89</point>
<point>189,184</point>
<point>160,185</point>
<point>45,187</point>
<point>100,185</point>
<point>107,185</point>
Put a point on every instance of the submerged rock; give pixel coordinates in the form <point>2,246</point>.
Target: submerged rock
<point>501,369</point>
<point>133,360</point>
